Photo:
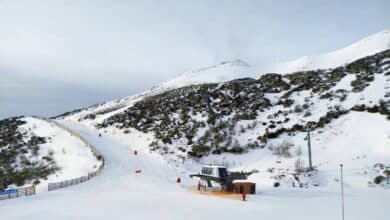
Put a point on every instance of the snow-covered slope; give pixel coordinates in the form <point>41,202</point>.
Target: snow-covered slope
<point>234,69</point>
<point>348,107</point>
<point>368,46</point>
<point>66,155</point>
<point>222,72</point>
<point>119,193</point>
<point>70,154</point>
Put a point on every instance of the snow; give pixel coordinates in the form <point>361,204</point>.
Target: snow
<point>222,72</point>
<point>119,193</point>
<point>359,140</point>
<point>368,46</point>
<point>234,69</point>
<point>70,153</point>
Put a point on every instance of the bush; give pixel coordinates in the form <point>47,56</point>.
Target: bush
<point>298,109</point>
<point>307,114</point>
<point>299,165</point>
<point>283,149</point>
<point>379,179</point>
<point>199,150</point>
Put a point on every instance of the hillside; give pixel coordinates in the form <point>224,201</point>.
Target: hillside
<point>235,69</point>
<point>241,116</point>
<point>216,122</point>
<point>224,71</point>
<point>223,115</point>
<point>33,151</point>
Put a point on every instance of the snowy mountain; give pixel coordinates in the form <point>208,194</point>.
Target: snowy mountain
<point>235,69</point>
<point>214,121</point>
<point>222,72</point>
<point>368,46</point>
<point>226,115</point>
<point>225,71</point>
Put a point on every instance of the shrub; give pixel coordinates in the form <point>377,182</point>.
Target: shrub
<point>298,109</point>
<point>307,114</point>
<point>379,179</point>
<point>299,165</point>
<point>199,150</point>
<point>283,149</point>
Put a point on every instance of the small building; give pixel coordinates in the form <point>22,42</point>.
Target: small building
<point>246,186</point>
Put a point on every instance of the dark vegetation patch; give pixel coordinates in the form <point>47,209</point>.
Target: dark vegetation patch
<point>207,118</point>
<point>383,107</point>
<point>19,161</point>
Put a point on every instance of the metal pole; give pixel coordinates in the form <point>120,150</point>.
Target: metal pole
<point>309,146</point>
<point>342,192</point>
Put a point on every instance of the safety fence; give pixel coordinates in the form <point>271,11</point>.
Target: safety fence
<point>72,182</point>
<point>13,193</point>
<point>87,144</point>
<point>27,191</point>
<point>76,181</point>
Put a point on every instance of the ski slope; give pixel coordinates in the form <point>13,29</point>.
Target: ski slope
<point>119,193</point>
<point>69,153</point>
<point>358,140</point>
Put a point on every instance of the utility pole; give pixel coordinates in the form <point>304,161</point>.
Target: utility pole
<point>342,191</point>
<point>309,147</point>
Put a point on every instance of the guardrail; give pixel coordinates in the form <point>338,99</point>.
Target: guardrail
<point>13,193</point>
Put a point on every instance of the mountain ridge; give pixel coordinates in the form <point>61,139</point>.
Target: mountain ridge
<point>229,70</point>
<point>365,47</point>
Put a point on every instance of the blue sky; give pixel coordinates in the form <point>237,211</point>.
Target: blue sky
<point>60,55</point>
